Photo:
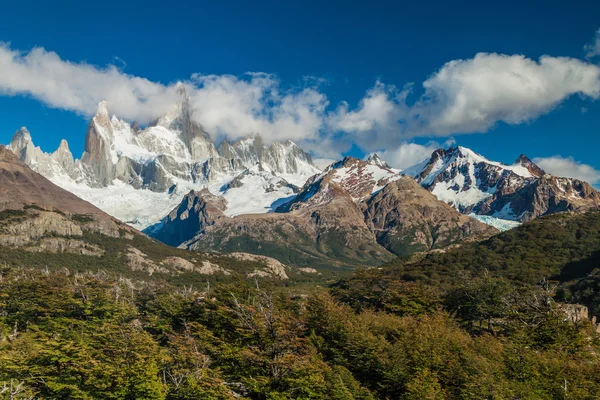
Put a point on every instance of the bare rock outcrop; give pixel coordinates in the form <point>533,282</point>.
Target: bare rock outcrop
<point>273,268</point>
<point>407,218</point>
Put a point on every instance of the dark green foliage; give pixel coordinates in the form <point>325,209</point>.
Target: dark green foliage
<point>477,322</point>
<point>380,292</point>
<point>546,247</point>
<point>563,248</point>
<point>85,336</point>
<point>82,218</point>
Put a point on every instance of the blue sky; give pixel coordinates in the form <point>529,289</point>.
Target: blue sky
<point>326,59</point>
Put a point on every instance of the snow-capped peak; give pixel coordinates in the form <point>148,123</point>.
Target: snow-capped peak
<point>138,175</point>
<point>360,179</point>
<point>376,160</point>
<point>468,181</point>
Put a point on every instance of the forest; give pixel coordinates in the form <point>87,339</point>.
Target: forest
<point>66,335</point>
<point>496,319</point>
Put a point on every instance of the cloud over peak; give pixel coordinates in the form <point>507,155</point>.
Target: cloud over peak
<point>463,96</point>
<point>568,167</point>
<point>79,87</point>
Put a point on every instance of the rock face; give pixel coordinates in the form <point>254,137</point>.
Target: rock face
<point>280,157</point>
<point>151,169</point>
<point>354,213</point>
<point>37,215</point>
<point>272,267</point>
<point>546,195</point>
<point>406,219</point>
<point>97,155</point>
<point>375,160</point>
<point>59,164</point>
<point>521,191</point>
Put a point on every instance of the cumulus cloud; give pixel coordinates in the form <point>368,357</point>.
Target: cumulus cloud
<point>377,121</point>
<point>230,106</point>
<point>568,167</point>
<point>472,95</point>
<point>323,163</point>
<point>592,49</point>
<point>464,96</point>
<point>467,96</point>
<point>409,154</point>
<point>225,105</point>
<point>79,86</point>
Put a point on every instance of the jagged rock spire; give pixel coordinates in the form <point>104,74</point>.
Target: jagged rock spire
<point>180,119</point>
<point>98,138</point>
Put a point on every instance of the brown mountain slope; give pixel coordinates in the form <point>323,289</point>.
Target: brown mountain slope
<point>332,234</point>
<point>43,225</point>
<point>407,218</point>
<point>21,186</point>
<point>354,213</point>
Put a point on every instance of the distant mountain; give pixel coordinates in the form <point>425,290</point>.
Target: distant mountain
<point>353,213</point>
<point>140,175</point>
<point>43,225</point>
<point>520,192</point>
<point>170,180</point>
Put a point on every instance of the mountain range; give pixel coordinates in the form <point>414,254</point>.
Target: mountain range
<point>42,224</point>
<point>171,180</point>
<point>520,192</point>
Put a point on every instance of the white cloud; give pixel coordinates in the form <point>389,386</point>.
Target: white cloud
<point>467,96</point>
<point>592,49</point>
<point>225,105</point>
<point>568,167</point>
<point>464,96</point>
<point>375,123</point>
<point>230,106</point>
<point>323,163</point>
<point>79,86</point>
<point>472,95</point>
<point>408,154</point>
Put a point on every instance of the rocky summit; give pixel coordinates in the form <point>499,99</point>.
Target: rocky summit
<point>520,192</point>
<point>353,213</point>
<point>140,175</point>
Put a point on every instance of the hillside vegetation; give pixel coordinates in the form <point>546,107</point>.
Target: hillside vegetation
<point>563,249</point>
<point>89,336</point>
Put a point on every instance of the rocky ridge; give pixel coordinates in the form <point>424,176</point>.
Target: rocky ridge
<point>42,224</point>
<point>151,169</point>
<point>521,191</point>
<point>354,213</point>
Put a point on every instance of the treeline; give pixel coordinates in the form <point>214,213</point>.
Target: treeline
<point>91,336</point>
<point>563,248</point>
